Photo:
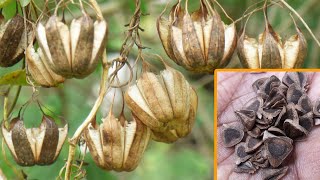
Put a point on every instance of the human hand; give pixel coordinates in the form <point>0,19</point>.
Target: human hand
<point>233,91</point>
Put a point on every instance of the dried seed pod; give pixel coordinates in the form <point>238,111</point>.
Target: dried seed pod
<point>277,150</point>
<point>13,39</point>
<point>241,154</point>
<point>40,70</point>
<point>164,102</point>
<point>117,144</point>
<point>298,78</point>
<point>247,117</point>
<point>33,146</point>
<point>200,41</point>
<point>294,130</point>
<point>252,144</point>
<point>231,135</point>
<point>75,52</point>
<point>274,174</point>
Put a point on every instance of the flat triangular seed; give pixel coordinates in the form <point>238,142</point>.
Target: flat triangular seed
<point>252,144</point>
<point>294,93</point>
<point>255,132</point>
<point>316,108</point>
<point>247,117</point>
<point>304,104</point>
<point>254,104</point>
<point>269,114</point>
<point>258,83</point>
<point>298,78</point>
<point>294,130</point>
<point>275,99</point>
<point>241,154</point>
<point>263,164</point>
<point>276,131</point>
<point>277,150</point>
<point>292,112</point>
<point>246,167</point>
<point>231,135</point>
<point>268,85</point>
<point>274,174</point>
<point>306,121</point>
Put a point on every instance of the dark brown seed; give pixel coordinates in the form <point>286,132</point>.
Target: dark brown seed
<point>232,135</point>
<point>247,117</point>
<point>294,130</point>
<point>276,131</point>
<point>241,154</point>
<point>292,113</point>
<point>246,167</point>
<point>254,104</point>
<point>304,104</point>
<point>294,93</point>
<point>275,99</point>
<point>306,121</point>
<point>277,150</point>
<point>298,78</point>
<point>269,114</point>
<point>258,83</point>
<point>281,118</point>
<point>268,85</point>
<point>274,174</point>
<point>252,144</point>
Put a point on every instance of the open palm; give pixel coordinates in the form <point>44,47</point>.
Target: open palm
<point>234,90</point>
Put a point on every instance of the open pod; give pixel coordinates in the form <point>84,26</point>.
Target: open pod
<point>72,52</point>
<point>34,146</point>
<point>269,51</point>
<point>200,41</point>
<point>166,103</point>
<point>14,37</point>
<point>40,70</point>
<point>117,144</point>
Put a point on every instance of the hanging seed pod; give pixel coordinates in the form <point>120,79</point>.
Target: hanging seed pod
<point>72,52</point>
<point>269,52</point>
<point>14,38</point>
<point>200,41</point>
<point>117,144</point>
<point>40,70</point>
<point>34,146</point>
<point>164,103</point>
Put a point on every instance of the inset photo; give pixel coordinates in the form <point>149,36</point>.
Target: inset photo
<point>266,125</point>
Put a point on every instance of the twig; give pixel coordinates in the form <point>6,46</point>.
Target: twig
<point>301,19</point>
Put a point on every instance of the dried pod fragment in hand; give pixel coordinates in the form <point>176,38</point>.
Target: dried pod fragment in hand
<point>39,69</point>
<point>277,150</point>
<point>200,41</point>
<point>164,102</point>
<point>274,174</point>
<point>117,144</point>
<point>13,39</point>
<point>33,146</point>
<point>231,135</point>
<point>72,52</point>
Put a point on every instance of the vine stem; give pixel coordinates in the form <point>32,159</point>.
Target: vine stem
<point>301,19</point>
<point>73,141</point>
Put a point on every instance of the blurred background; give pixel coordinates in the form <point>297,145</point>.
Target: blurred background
<point>189,158</point>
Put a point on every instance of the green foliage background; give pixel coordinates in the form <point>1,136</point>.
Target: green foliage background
<point>189,158</point>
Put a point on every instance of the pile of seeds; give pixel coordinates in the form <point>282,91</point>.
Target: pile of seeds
<point>280,114</point>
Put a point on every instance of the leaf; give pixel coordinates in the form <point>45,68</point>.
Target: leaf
<point>4,3</point>
<point>14,78</point>
<point>24,3</point>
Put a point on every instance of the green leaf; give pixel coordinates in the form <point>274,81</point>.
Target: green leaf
<point>4,3</point>
<point>14,78</point>
<point>24,3</point>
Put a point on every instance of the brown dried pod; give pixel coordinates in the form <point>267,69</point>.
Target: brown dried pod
<point>306,121</point>
<point>72,52</point>
<point>274,174</point>
<point>246,167</point>
<point>247,117</point>
<point>117,144</point>
<point>298,78</point>
<point>241,154</point>
<point>294,93</point>
<point>33,146</point>
<point>294,130</point>
<point>231,135</point>
<point>13,39</point>
<point>164,102</point>
<point>277,150</point>
<point>252,144</point>
<point>200,41</point>
<point>40,70</point>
